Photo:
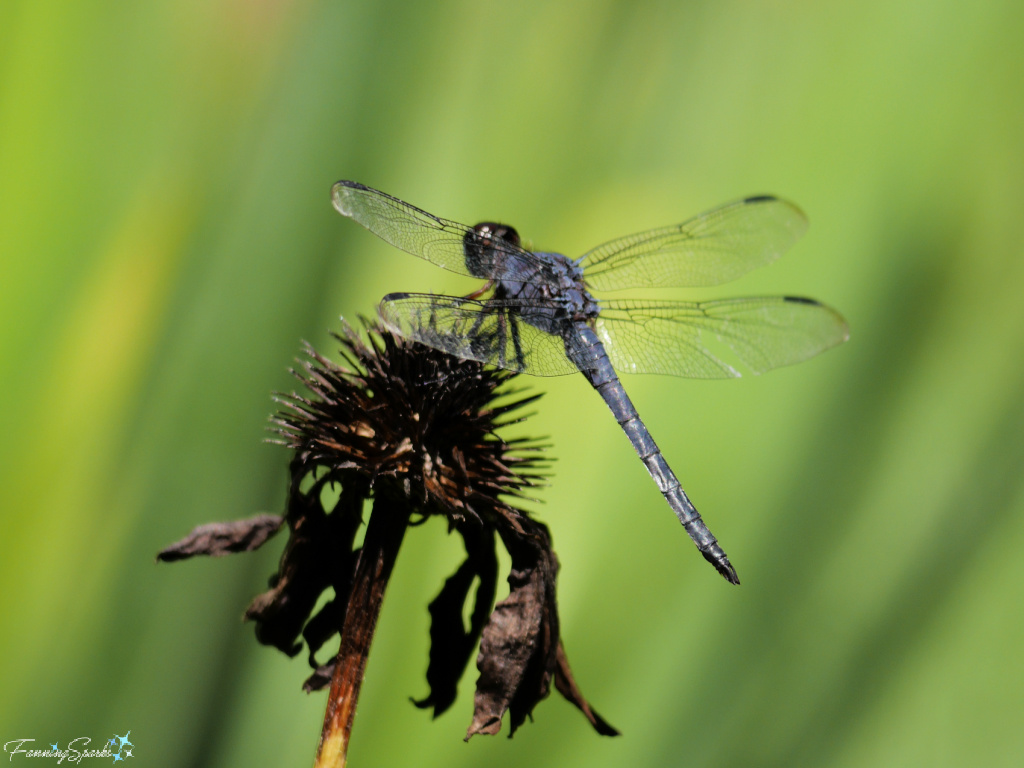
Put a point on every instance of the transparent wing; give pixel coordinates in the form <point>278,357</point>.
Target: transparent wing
<point>439,241</point>
<point>493,332</point>
<point>714,339</point>
<point>712,248</point>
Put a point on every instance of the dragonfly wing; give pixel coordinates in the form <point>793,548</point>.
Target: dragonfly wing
<point>404,226</point>
<point>712,248</point>
<point>715,339</point>
<point>439,241</point>
<point>493,332</point>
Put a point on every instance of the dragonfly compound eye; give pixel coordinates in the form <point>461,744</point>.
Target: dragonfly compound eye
<point>479,246</point>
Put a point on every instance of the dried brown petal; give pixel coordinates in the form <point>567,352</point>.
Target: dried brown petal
<point>320,678</point>
<point>517,649</point>
<point>520,649</point>
<point>318,555</point>
<point>567,687</point>
<point>451,643</point>
<point>218,539</point>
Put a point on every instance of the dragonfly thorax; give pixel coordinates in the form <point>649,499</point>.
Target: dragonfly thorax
<point>555,303</point>
<point>549,285</point>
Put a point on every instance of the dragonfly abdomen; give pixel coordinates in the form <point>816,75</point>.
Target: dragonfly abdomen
<point>593,362</point>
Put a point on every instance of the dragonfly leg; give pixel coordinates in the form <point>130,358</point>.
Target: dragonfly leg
<point>501,337</point>
<point>474,332</point>
<point>491,343</point>
<point>517,342</point>
<point>480,291</point>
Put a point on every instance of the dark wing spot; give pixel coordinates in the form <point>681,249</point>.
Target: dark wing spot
<point>759,199</point>
<point>801,300</point>
<point>355,185</point>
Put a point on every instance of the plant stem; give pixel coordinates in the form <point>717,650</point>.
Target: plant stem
<point>384,533</point>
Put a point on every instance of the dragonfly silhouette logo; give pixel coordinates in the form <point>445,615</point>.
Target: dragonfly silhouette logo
<point>118,748</point>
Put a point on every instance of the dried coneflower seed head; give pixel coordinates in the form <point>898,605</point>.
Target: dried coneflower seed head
<point>414,431</point>
<point>421,419</point>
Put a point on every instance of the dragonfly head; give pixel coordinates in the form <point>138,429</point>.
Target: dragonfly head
<point>479,244</point>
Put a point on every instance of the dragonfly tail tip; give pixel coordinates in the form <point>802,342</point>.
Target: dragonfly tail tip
<point>724,567</point>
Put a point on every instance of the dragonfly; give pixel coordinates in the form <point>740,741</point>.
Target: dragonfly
<point>535,312</point>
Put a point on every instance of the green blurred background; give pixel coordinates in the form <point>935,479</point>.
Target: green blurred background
<point>166,240</point>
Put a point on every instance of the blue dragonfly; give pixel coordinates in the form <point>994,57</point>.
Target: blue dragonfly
<point>535,312</point>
